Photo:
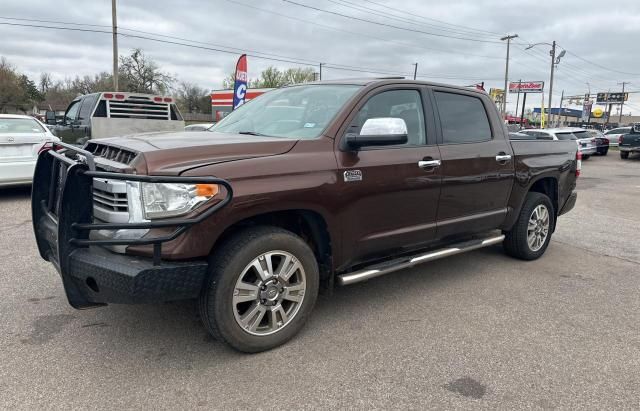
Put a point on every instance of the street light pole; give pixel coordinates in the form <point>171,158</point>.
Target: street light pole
<point>506,72</point>
<point>114,29</point>
<point>553,64</point>
<point>415,70</point>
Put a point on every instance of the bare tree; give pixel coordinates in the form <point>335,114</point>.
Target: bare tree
<point>138,73</point>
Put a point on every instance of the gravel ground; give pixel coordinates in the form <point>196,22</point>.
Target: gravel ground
<point>474,331</point>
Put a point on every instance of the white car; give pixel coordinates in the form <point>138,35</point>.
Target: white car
<point>586,143</point>
<point>614,134</point>
<point>21,138</point>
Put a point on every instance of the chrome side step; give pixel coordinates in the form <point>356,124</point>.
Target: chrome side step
<point>400,264</point>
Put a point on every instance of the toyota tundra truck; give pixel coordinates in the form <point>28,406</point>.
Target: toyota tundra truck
<point>304,188</point>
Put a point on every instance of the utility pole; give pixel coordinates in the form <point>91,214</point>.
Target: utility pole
<point>320,73</point>
<point>518,98</point>
<point>114,29</point>
<point>560,110</point>
<point>415,70</point>
<point>622,102</point>
<point>553,64</point>
<point>506,72</point>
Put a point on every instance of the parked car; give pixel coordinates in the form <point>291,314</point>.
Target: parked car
<point>101,115</point>
<point>199,127</point>
<point>602,142</point>
<point>586,143</point>
<point>316,184</point>
<point>21,138</point>
<point>630,143</point>
<point>614,134</point>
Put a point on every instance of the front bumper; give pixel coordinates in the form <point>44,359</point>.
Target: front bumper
<point>62,215</point>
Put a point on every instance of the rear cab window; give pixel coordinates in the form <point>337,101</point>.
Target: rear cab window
<point>463,118</point>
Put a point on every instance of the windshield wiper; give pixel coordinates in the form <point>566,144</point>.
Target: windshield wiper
<point>252,133</point>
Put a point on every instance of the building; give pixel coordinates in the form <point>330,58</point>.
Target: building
<point>222,101</point>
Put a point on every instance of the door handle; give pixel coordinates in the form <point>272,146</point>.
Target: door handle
<point>503,157</point>
<point>429,163</point>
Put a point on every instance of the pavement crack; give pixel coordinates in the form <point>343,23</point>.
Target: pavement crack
<point>596,252</point>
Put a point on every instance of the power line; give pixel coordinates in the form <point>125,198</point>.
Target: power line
<point>601,66</point>
<point>432,19</point>
<point>238,3</point>
<point>253,54</point>
<point>390,25</point>
<point>411,21</point>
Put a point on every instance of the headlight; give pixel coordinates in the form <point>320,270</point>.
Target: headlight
<point>161,200</point>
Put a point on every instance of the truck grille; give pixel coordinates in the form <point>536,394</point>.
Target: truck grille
<point>111,201</point>
<point>117,154</point>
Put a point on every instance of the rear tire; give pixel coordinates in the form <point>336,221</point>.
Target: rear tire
<point>606,150</point>
<point>624,155</point>
<point>529,237</point>
<point>256,309</point>
<point>586,156</point>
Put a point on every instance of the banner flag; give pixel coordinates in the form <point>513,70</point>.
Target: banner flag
<point>240,84</point>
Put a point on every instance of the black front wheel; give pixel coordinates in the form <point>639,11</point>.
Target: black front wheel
<point>263,285</point>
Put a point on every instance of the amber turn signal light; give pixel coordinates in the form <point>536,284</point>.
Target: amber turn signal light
<point>207,190</point>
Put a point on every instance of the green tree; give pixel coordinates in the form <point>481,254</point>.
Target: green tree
<point>193,99</point>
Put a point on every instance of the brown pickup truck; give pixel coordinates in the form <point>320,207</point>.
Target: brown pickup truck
<point>302,188</point>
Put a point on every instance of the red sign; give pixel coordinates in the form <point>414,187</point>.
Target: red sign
<point>224,98</point>
<point>526,86</point>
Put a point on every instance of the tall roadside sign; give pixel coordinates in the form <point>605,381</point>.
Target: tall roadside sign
<point>526,87</point>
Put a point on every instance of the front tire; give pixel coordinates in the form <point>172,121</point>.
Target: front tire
<point>263,285</point>
<point>529,237</point>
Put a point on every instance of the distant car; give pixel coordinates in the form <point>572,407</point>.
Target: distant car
<point>614,134</point>
<point>602,141</point>
<point>586,143</point>
<point>199,127</point>
<point>21,138</point>
<point>519,136</point>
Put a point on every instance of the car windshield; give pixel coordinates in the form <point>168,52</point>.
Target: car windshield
<point>566,136</point>
<point>290,112</point>
<point>19,126</point>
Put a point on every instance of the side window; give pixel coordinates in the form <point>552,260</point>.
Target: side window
<point>72,113</point>
<point>404,104</point>
<point>463,118</point>
<point>87,106</point>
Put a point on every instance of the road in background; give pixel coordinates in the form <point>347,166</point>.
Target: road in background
<point>477,330</point>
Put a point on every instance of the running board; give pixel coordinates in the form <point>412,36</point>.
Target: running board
<point>407,262</point>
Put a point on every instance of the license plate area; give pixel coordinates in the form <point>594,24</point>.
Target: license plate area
<point>16,151</point>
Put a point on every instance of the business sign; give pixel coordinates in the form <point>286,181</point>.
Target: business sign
<point>526,86</point>
<point>598,112</point>
<point>612,97</point>
<point>240,84</point>
<point>496,94</point>
<point>586,110</point>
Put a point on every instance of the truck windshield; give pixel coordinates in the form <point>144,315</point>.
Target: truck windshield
<point>566,136</point>
<point>290,112</point>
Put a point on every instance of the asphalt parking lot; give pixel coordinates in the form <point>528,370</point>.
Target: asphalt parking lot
<point>475,331</point>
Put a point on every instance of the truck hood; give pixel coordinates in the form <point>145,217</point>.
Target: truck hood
<point>172,153</point>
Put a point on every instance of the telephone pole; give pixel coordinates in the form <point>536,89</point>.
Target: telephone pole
<point>506,72</point>
<point>622,102</point>
<point>320,73</point>
<point>554,60</point>
<point>415,70</point>
<point>114,28</point>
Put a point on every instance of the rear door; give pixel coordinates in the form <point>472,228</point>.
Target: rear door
<point>390,195</point>
<point>477,164</point>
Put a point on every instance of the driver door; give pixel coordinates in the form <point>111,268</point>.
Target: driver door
<point>390,197</point>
